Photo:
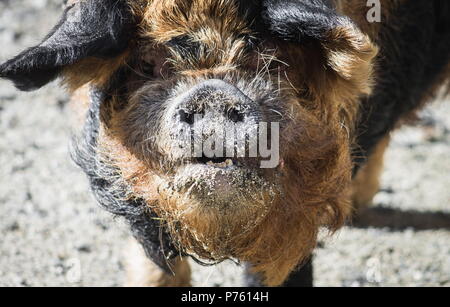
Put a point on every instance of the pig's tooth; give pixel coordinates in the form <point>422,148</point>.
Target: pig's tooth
<point>222,164</point>
<point>229,162</point>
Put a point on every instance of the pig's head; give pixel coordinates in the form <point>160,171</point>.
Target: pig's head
<point>232,119</point>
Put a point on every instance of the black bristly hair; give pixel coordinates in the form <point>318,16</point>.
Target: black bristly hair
<point>424,42</point>
<point>111,192</point>
<point>300,21</point>
<point>87,29</point>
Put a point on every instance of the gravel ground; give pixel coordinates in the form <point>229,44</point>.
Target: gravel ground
<point>50,225</point>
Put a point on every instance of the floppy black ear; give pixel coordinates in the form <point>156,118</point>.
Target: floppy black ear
<point>346,49</point>
<point>298,21</point>
<point>90,28</point>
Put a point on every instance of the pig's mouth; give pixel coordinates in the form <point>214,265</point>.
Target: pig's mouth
<point>221,182</point>
<point>231,164</point>
<point>218,162</point>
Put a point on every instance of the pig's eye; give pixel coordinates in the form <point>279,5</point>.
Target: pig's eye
<point>148,69</point>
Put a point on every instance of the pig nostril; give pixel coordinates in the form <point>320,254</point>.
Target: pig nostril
<point>235,116</point>
<point>186,117</point>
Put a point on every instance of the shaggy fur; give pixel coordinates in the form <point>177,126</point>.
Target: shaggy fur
<point>308,65</point>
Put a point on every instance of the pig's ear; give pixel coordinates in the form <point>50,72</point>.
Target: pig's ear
<point>300,21</point>
<point>90,28</point>
<point>318,22</point>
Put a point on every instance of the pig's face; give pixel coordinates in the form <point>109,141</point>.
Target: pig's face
<point>231,119</point>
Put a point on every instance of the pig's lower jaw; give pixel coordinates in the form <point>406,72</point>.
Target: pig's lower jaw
<point>212,212</point>
<point>221,185</point>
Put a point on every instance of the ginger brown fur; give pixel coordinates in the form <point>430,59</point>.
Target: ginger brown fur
<point>367,181</point>
<point>281,226</point>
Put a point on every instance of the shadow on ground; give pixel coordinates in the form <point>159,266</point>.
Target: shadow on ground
<point>398,220</point>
